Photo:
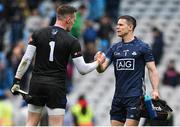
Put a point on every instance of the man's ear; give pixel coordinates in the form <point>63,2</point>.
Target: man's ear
<point>68,20</point>
<point>131,27</point>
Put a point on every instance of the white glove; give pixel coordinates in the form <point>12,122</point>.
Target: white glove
<point>16,86</point>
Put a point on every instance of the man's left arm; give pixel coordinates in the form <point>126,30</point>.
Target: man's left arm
<point>154,78</point>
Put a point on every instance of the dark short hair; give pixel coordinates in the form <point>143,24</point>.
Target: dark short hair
<point>155,29</point>
<point>82,6</point>
<point>129,19</point>
<point>65,9</point>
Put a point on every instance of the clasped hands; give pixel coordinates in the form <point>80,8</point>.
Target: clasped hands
<point>100,57</point>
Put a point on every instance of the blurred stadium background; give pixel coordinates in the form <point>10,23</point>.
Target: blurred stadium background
<point>158,23</point>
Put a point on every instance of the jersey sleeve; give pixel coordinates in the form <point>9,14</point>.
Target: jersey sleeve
<point>148,55</point>
<point>109,54</point>
<point>33,39</point>
<point>76,49</point>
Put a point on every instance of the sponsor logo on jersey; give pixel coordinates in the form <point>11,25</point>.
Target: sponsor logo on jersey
<point>54,31</point>
<point>134,53</point>
<point>125,52</point>
<point>125,64</point>
<point>131,116</point>
<point>117,53</point>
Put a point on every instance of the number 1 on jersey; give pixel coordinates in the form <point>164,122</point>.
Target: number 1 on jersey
<point>51,55</point>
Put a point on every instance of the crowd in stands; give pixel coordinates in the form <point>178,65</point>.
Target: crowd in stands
<point>94,27</point>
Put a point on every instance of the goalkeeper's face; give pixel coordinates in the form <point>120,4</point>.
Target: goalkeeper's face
<point>122,28</point>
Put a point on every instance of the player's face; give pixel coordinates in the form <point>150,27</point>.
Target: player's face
<point>70,21</point>
<point>122,28</point>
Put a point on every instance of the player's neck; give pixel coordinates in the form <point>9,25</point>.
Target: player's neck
<point>60,24</point>
<point>128,38</point>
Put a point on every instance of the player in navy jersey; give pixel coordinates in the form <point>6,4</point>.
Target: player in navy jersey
<point>53,47</point>
<point>129,58</point>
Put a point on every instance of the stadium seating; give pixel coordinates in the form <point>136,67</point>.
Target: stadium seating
<point>99,88</point>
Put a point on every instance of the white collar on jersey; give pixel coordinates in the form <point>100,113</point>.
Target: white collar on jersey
<point>60,26</point>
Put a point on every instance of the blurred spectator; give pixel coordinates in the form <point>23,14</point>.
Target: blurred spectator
<point>25,8</point>
<point>96,9</point>
<point>171,75</point>
<point>6,77</point>
<point>69,77</point>
<point>33,3</point>
<point>68,118</point>
<point>2,32</point>
<point>14,57</point>
<point>53,18</point>
<point>112,9</point>
<point>105,33</point>
<point>79,22</point>
<point>33,23</point>
<point>2,25</point>
<point>158,45</point>
<point>82,113</point>
<point>89,37</point>
<point>89,34</point>
<point>6,113</point>
<point>89,52</point>
<point>46,9</point>
<point>17,26</point>
<point>66,1</point>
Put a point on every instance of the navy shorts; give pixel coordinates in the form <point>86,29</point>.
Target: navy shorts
<point>50,96</point>
<point>125,108</point>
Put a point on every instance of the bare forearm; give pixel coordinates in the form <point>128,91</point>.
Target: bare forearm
<point>154,78</point>
<point>102,67</point>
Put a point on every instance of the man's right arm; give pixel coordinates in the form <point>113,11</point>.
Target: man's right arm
<point>108,59</point>
<point>154,78</point>
<point>84,68</point>
<point>102,67</point>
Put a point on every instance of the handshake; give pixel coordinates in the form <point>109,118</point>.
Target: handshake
<point>100,57</point>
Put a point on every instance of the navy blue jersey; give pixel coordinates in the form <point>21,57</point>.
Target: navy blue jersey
<point>129,61</point>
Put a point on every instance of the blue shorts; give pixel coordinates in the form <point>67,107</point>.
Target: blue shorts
<point>125,108</point>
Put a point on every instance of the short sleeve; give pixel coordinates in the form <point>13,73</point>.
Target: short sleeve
<point>148,55</point>
<point>109,54</point>
<point>76,49</point>
<point>33,39</point>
